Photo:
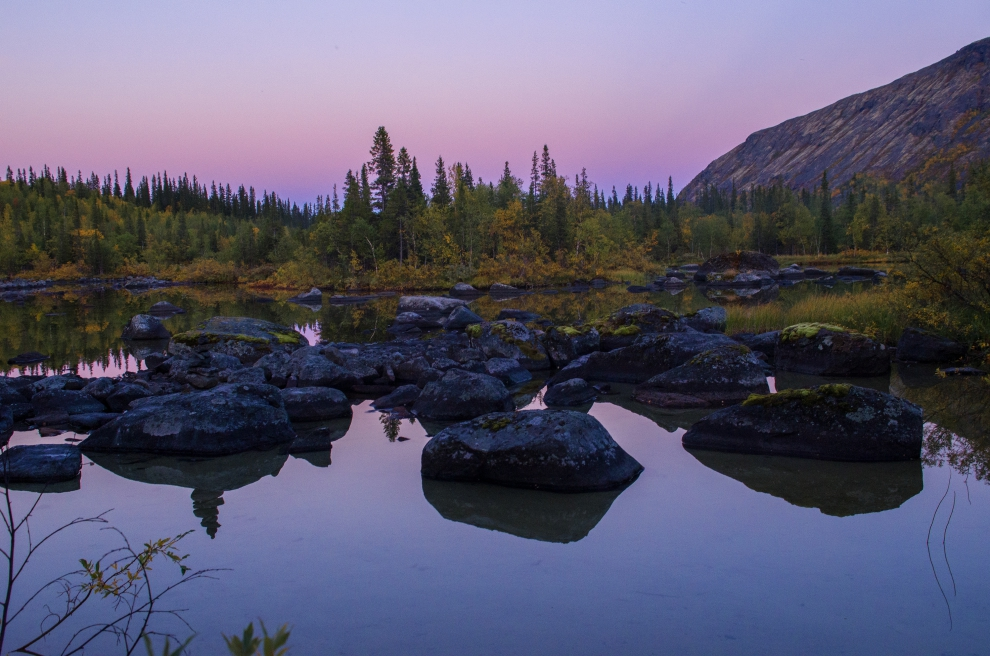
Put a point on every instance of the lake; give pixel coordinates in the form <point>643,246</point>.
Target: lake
<point>704,553</point>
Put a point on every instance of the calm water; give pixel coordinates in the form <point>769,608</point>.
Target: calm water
<point>704,553</point>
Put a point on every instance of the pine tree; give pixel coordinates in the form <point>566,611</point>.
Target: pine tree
<point>128,187</point>
<point>441,187</point>
<point>382,165</point>
<point>416,193</point>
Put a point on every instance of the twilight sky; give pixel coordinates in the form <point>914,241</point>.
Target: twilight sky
<point>286,95</point>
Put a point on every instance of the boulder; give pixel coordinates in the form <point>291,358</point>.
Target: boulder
<point>246,339</point>
<point>40,463</point>
<point>464,289</point>
<point>313,297</point>
<point>55,383</point>
<point>100,388</point>
<point>412,323</point>
<point>649,356</point>
<point>707,320</point>
<point>812,272</point>
<point>499,288</point>
<point>557,450</point>
<point>916,345</point>
<point>315,403</point>
<point>461,318</point>
<point>123,394</point>
<point>461,395</point>
<point>431,308</point>
<point>826,350</point>
<point>575,391</point>
<point>739,269</point>
<point>165,308</point>
<point>224,420</point>
<point>90,420</point>
<point>144,327</point>
<point>6,423</point>
<point>765,343</point>
<point>721,376</point>
<point>253,375</point>
<point>73,402</point>
<point>829,422</point>
<point>565,343</point>
<point>402,396</point>
<point>412,369</point>
<point>309,367</point>
<point>510,339</point>
<point>10,395</point>
<point>508,371</point>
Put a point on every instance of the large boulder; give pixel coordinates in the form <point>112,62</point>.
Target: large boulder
<point>73,402</point>
<point>721,376</point>
<point>309,367</point>
<point>40,463</point>
<point>315,403</point>
<point>765,343</point>
<point>826,350</point>
<point>575,391</point>
<point>565,343</point>
<point>464,289</point>
<point>461,395</point>
<point>313,297</point>
<point>461,318</point>
<point>223,420</point>
<point>649,356</point>
<point>246,339</point>
<point>739,269</point>
<point>430,308</point>
<point>510,339</point>
<point>145,327</point>
<point>829,422</point>
<point>707,320</point>
<point>508,371</point>
<point>164,308</point>
<point>122,395</point>
<point>6,424</point>
<point>401,396</point>
<point>916,345</point>
<point>556,450</point>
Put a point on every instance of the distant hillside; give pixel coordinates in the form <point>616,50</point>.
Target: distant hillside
<point>918,123</point>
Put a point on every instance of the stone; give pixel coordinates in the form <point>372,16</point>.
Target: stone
<point>73,402</point>
<point>460,318</point>
<point>100,388</point>
<point>55,383</point>
<point>461,395</point>
<point>31,357</point>
<point>825,350</point>
<point>741,268</point>
<point>556,450</point>
<point>565,343</point>
<point>315,403</point>
<point>916,345</point>
<point>575,391</point>
<point>313,297</point>
<point>144,327</point>
<point>413,323</point>
<point>253,375</point>
<point>507,370</point>
<point>765,343</point>
<point>165,308</point>
<point>721,376</point>
<point>411,370</point>
<point>6,424</point>
<point>244,338</point>
<point>707,320</point>
<point>649,356</point>
<point>431,308</point>
<point>857,272</point>
<point>91,420</point>
<point>402,396</point>
<point>123,394</point>
<point>10,395</point>
<point>511,339</point>
<point>464,289</point>
<point>828,422</point>
<point>502,288</point>
<point>41,463</point>
<point>224,420</point>
<point>311,368</point>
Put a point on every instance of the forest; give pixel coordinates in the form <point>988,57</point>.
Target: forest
<point>392,225</point>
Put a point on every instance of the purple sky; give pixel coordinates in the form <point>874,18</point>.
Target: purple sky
<point>286,95</point>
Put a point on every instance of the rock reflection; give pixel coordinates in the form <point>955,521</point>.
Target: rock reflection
<point>208,478</point>
<point>318,438</point>
<point>530,514</point>
<point>669,420</point>
<point>839,489</point>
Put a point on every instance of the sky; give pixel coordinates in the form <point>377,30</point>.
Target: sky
<point>285,96</point>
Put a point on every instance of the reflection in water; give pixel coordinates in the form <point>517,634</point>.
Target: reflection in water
<point>318,437</point>
<point>669,420</point>
<point>836,488</point>
<point>45,488</point>
<point>531,514</point>
<point>209,478</point>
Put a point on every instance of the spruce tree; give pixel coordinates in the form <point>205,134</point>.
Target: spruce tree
<point>416,193</point>
<point>382,165</point>
<point>441,187</point>
<point>128,187</point>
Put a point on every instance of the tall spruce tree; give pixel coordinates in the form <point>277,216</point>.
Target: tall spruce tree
<point>382,165</point>
<point>441,187</point>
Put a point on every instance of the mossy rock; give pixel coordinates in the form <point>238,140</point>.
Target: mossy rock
<point>807,397</point>
<point>810,331</point>
<point>250,336</point>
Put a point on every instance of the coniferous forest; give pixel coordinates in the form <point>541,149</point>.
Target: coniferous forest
<point>398,223</point>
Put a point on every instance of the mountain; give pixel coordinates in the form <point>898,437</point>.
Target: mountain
<point>917,124</point>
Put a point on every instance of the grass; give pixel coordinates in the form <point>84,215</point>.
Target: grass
<point>875,312</point>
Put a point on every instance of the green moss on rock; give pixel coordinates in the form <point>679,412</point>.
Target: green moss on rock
<point>496,423</point>
<point>809,331</point>
<point>807,397</point>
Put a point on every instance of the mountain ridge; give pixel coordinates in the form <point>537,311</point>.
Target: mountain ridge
<point>918,123</point>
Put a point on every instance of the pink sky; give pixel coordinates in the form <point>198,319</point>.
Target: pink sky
<point>286,96</point>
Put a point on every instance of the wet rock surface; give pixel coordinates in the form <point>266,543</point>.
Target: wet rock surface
<point>828,422</point>
<point>575,391</point>
<point>40,463</point>
<point>460,395</point>
<point>241,337</point>
<point>315,403</point>
<point>714,378</point>
<point>143,327</point>
<point>555,450</point>
<point>825,350</point>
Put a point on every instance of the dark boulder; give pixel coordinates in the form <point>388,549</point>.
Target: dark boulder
<point>165,308</point>
<point>123,394</point>
<point>315,403</point>
<point>91,420</point>
<point>313,297</point>
<point>575,391</point>
<point>739,269</point>
<point>511,339</point>
<point>461,395</point>
<point>916,345</point>
<point>765,343</point>
<point>403,395</point>
<point>464,289</point>
<point>707,320</point>
<point>226,419</point>
<point>10,394</point>
<point>144,327</point>
<point>100,388</point>
<point>430,308</point>
<point>556,450</point>
<point>309,367</point>
<point>73,402</point>
<point>31,357</point>
<point>461,318</point>
<point>6,423</point>
<point>565,343</point>
<point>412,369</point>
<point>649,356</point>
<point>246,339</point>
<point>40,463</point>
<point>507,370</point>
<point>721,376</point>
<point>825,350</point>
<point>829,422</point>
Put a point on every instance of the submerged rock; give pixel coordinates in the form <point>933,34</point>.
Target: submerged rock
<point>721,376</point>
<point>826,350</point>
<point>829,422</point>
<point>916,345</point>
<point>575,391</point>
<point>313,297</point>
<point>315,403</point>
<point>40,463</point>
<point>461,395</point>
<point>556,450</point>
<point>144,327</point>
<point>226,419</point>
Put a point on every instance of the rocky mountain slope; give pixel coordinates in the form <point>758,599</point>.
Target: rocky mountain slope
<point>918,123</point>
